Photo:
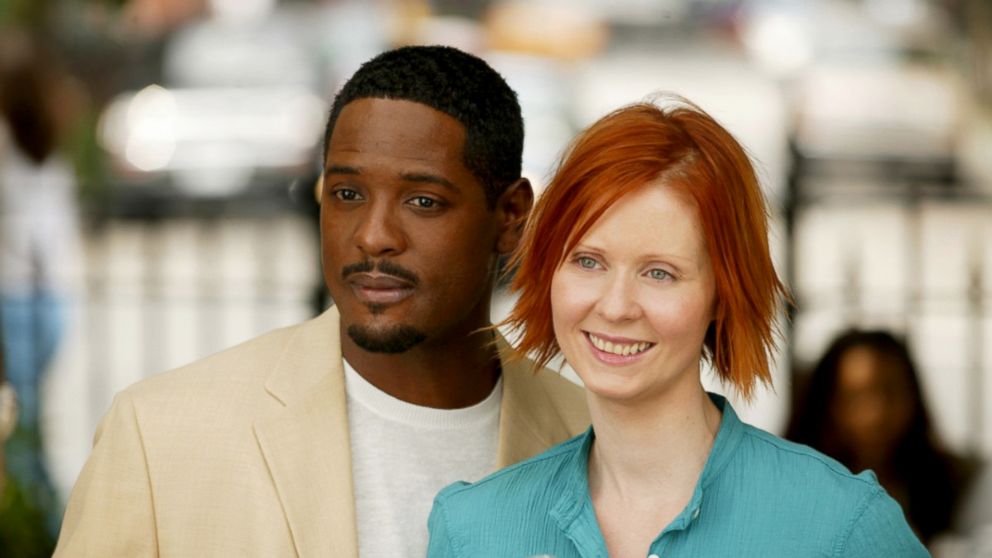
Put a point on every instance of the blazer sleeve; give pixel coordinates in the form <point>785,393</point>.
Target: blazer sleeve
<point>110,511</point>
<point>879,528</point>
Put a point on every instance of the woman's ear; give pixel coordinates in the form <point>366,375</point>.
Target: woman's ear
<point>512,210</point>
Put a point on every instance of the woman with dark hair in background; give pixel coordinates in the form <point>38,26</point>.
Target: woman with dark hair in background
<point>863,406</point>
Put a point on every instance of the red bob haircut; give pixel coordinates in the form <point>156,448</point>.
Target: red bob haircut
<point>623,151</point>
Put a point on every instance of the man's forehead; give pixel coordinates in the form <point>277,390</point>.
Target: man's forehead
<point>399,117</point>
<point>406,137</point>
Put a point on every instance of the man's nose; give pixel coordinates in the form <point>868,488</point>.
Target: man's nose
<point>379,231</point>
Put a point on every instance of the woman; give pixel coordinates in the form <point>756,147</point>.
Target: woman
<point>647,254</point>
<point>863,406</point>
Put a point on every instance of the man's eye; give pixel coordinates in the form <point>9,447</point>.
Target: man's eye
<point>346,194</point>
<point>423,202</point>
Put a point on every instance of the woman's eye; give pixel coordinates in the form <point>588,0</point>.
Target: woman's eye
<point>586,262</point>
<point>659,274</point>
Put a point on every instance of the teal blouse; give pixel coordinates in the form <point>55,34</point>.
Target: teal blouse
<point>758,496</point>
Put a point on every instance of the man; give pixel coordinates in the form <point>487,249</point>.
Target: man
<point>331,437</point>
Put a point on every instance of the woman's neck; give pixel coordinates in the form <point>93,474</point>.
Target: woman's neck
<point>656,445</point>
<point>645,463</point>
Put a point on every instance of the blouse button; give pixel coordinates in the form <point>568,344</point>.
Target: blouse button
<point>654,556</point>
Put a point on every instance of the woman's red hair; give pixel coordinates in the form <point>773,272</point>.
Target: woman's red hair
<point>623,151</point>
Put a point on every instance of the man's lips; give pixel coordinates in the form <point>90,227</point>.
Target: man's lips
<point>376,288</point>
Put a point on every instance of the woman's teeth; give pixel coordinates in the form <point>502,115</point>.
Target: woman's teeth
<point>622,349</point>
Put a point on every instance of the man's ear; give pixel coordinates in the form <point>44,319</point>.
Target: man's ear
<point>512,209</point>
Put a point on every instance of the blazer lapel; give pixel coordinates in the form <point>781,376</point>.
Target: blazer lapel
<point>306,446</point>
<point>528,423</point>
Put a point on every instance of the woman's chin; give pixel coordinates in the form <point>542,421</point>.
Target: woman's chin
<point>614,390</point>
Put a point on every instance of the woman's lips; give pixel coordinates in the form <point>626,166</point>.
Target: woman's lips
<point>616,350</point>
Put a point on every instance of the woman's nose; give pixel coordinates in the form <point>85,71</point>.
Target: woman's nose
<point>618,300</point>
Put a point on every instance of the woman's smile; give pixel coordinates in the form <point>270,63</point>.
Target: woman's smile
<point>614,350</point>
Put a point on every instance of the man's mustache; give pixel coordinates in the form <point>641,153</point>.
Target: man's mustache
<point>385,267</point>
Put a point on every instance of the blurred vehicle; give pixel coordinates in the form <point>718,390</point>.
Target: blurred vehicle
<point>872,84</point>
<point>862,110</point>
<point>214,141</point>
<point>239,114</point>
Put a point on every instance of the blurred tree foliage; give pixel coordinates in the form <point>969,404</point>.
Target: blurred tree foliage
<point>24,12</point>
<point>37,14</point>
<point>22,525</point>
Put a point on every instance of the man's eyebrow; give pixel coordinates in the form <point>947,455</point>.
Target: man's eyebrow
<point>406,176</point>
<point>341,169</point>
<point>428,178</point>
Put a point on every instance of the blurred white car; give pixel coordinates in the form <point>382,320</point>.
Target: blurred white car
<point>212,141</point>
<point>241,105</point>
<point>870,111</point>
<point>868,82</point>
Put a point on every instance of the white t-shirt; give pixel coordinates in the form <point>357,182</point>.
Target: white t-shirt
<point>403,454</point>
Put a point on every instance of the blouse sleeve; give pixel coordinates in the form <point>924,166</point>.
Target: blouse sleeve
<point>441,544</point>
<point>879,528</point>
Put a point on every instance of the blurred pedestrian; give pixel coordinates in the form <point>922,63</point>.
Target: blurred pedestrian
<point>22,524</point>
<point>8,415</point>
<point>38,245</point>
<point>862,405</point>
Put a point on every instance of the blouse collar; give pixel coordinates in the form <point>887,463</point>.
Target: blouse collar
<point>574,513</point>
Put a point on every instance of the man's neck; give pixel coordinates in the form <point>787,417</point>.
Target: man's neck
<point>447,374</point>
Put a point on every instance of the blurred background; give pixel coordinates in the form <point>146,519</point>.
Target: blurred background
<point>158,158</point>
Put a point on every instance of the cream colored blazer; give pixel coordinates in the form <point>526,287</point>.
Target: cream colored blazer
<point>246,453</point>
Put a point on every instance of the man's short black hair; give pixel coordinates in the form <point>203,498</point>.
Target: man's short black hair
<point>455,83</point>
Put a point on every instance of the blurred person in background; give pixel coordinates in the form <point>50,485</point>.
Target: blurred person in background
<point>330,437</point>
<point>22,526</point>
<point>39,241</point>
<point>8,415</point>
<point>647,254</point>
<point>862,404</point>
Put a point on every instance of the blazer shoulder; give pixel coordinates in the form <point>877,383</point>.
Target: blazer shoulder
<point>247,362</point>
<point>224,394</point>
<point>285,363</point>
